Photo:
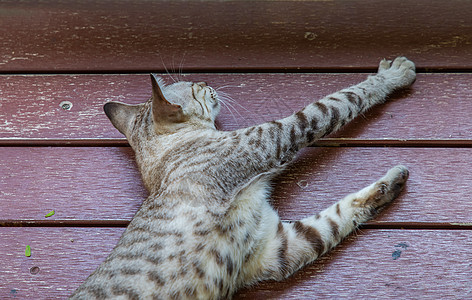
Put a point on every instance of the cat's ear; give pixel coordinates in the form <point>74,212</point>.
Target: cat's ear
<point>121,115</point>
<point>163,110</point>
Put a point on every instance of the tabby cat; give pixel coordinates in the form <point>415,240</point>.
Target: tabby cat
<point>207,228</point>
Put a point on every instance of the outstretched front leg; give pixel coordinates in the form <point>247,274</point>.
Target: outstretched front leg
<point>277,142</point>
<point>332,112</point>
<point>292,245</point>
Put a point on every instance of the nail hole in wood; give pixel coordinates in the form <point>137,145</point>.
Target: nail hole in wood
<point>66,105</point>
<point>34,270</point>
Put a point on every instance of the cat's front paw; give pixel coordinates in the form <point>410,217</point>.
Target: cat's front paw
<point>400,73</point>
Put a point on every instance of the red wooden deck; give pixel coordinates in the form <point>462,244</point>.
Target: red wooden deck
<point>274,57</point>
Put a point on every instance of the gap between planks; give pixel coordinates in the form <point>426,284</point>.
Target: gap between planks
<point>228,70</point>
<point>329,142</point>
<point>125,223</point>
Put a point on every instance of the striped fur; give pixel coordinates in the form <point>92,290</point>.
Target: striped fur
<point>207,228</point>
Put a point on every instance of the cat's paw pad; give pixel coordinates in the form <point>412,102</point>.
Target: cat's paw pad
<point>400,73</point>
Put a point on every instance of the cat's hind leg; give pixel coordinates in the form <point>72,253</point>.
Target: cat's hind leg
<point>296,244</point>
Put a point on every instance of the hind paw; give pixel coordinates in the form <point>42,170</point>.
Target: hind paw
<point>384,190</point>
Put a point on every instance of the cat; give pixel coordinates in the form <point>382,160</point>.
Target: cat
<point>207,228</point>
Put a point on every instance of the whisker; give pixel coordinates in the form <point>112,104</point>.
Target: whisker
<point>229,103</point>
<point>181,66</point>
<point>229,109</point>
<point>167,71</point>
<point>173,63</point>
<point>230,99</point>
<point>174,70</point>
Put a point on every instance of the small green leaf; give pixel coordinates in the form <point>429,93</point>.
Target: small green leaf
<point>28,251</point>
<point>51,213</point>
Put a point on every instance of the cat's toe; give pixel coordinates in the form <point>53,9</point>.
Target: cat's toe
<point>397,174</point>
<point>384,65</point>
<point>397,177</point>
<point>401,73</point>
<point>398,62</point>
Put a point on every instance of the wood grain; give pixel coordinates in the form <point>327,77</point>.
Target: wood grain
<point>437,189</point>
<point>84,170</point>
<point>104,184</point>
<point>373,264</point>
<point>56,36</point>
<point>383,264</point>
<point>78,183</point>
<point>60,259</point>
<point>31,105</point>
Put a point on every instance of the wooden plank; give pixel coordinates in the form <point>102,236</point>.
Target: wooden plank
<point>383,264</point>
<point>373,264</point>
<point>325,142</point>
<point>78,183</point>
<point>432,110</point>
<point>55,36</point>
<point>104,184</point>
<point>436,191</point>
<point>60,259</point>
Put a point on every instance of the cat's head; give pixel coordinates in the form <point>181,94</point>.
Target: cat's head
<point>171,108</point>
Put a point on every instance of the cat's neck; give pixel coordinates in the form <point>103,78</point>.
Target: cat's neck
<point>157,152</point>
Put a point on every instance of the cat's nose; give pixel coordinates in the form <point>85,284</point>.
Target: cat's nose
<point>202,84</point>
